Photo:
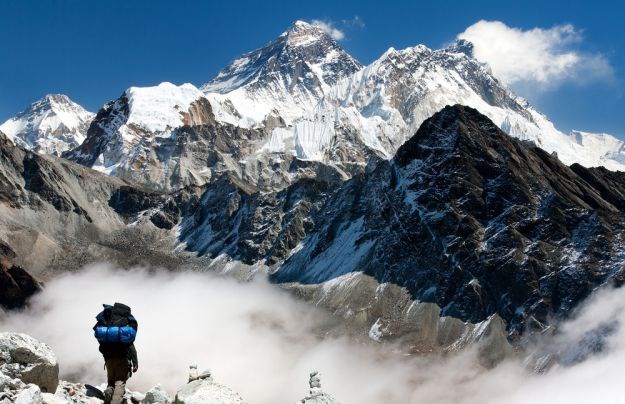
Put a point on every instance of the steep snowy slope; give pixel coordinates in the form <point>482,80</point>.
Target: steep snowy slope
<point>166,137</point>
<point>280,81</point>
<point>386,101</point>
<point>51,125</point>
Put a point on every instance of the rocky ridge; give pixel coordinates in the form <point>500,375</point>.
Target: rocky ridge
<point>193,149</point>
<point>473,220</point>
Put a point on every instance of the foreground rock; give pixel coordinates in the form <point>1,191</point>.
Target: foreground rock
<point>29,395</point>
<point>156,395</point>
<point>203,389</point>
<point>29,374</point>
<point>23,357</point>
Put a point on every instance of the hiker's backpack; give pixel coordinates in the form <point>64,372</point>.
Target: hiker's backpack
<point>115,325</point>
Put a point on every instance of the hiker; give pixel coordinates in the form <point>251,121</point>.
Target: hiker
<point>116,330</point>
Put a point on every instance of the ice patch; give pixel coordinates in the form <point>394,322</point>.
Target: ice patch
<point>375,332</point>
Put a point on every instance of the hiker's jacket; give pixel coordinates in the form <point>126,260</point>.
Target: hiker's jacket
<point>117,351</point>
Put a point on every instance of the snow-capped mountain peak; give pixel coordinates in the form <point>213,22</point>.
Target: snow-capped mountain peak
<point>302,33</point>
<point>461,46</point>
<point>291,75</point>
<point>159,108</point>
<point>140,116</point>
<point>50,125</point>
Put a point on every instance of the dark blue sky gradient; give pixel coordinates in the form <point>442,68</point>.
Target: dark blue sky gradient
<point>92,51</point>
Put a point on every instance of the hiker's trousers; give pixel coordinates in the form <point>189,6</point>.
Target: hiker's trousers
<point>117,370</point>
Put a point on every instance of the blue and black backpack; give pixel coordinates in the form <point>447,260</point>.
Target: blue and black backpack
<point>116,325</point>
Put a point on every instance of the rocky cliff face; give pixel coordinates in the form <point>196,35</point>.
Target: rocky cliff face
<point>58,216</point>
<point>193,149</point>
<point>16,284</point>
<point>473,220</point>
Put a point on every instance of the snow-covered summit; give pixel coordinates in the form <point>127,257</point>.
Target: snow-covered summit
<point>461,46</point>
<point>302,33</point>
<point>159,108</point>
<point>50,125</point>
<point>283,79</point>
<point>124,128</point>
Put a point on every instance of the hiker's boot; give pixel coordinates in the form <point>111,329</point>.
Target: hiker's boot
<point>118,392</point>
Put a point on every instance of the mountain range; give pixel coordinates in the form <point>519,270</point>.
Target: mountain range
<point>417,198</point>
<point>311,100</point>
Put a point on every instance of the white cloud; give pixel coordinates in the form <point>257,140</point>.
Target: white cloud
<point>262,342</point>
<point>545,57</point>
<point>330,29</point>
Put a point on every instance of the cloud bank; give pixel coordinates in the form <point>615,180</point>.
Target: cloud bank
<point>544,57</point>
<point>262,343</point>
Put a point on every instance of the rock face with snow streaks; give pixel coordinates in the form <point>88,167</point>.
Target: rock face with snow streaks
<point>475,221</point>
<point>464,217</point>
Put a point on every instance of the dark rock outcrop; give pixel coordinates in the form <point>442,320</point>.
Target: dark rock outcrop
<point>16,284</point>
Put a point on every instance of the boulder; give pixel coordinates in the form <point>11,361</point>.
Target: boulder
<point>134,396</point>
<point>23,357</point>
<point>207,391</point>
<point>29,395</point>
<point>156,395</point>
<point>49,398</point>
<point>8,383</point>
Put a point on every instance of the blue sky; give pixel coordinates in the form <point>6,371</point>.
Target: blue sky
<point>92,50</point>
